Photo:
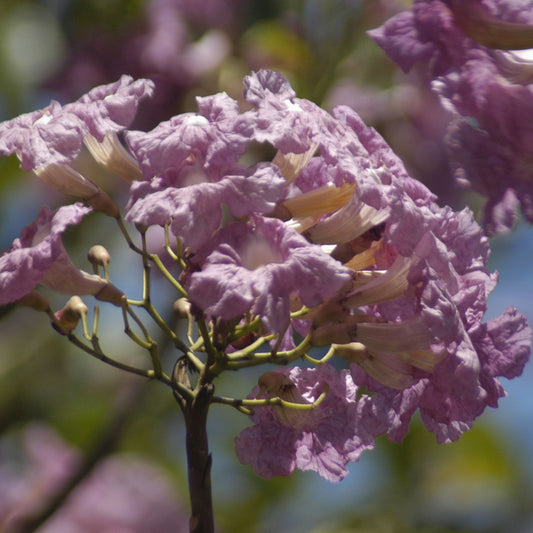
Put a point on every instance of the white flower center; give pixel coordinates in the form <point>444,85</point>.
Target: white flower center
<point>258,252</point>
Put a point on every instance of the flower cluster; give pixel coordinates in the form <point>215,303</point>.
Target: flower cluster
<point>48,142</point>
<point>475,56</point>
<point>328,242</point>
<point>396,283</point>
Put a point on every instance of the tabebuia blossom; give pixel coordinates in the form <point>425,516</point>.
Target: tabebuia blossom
<point>404,306</point>
<point>332,227</point>
<point>39,257</point>
<point>298,228</point>
<point>49,140</point>
<point>475,56</point>
<point>256,266</point>
<point>324,439</point>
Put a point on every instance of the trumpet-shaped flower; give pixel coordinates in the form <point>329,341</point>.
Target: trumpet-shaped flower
<point>256,267</point>
<point>331,240</point>
<point>323,439</point>
<point>396,282</point>
<point>39,257</point>
<point>412,322</point>
<point>49,140</point>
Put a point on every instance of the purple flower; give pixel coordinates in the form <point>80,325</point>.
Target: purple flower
<point>413,318</point>
<point>196,211</point>
<point>406,307</point>
<point>193,147</point>
<point>111,108</point>
<point>424,336</point>
<point>463,47</point>
<point>434,317</point>
<point>281,119</point>
<point>443,33</point>
<point>49,140</point>
<point>257,267</point>
<point>459,388</point>
<point>50,136</point>
<point>191,164</point>
<point>39,256</point>
<point>335,229</point>
<point>324,439</point>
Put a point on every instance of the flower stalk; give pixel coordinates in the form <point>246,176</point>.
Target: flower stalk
<point>195,410</point>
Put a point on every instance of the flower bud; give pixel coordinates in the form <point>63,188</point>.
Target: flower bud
<point>99,256</point>
<point>182,308</point>
<point>67,318</point>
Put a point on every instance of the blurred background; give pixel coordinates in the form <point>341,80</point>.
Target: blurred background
<point>58,405</point>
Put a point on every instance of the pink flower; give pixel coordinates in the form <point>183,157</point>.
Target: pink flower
<point>195,212</point>
<point>193,146</point>
<point>39,256</point>
<point>49,140</point>
<point>324,439</point>
<point>111,108</point>
<point>257,267</point>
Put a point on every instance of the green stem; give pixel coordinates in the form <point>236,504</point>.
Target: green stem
<point>96,352</point>
<point>126,235</point>
<point>270,357</point>
<point>276,400</point>
<point>169,277</point>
